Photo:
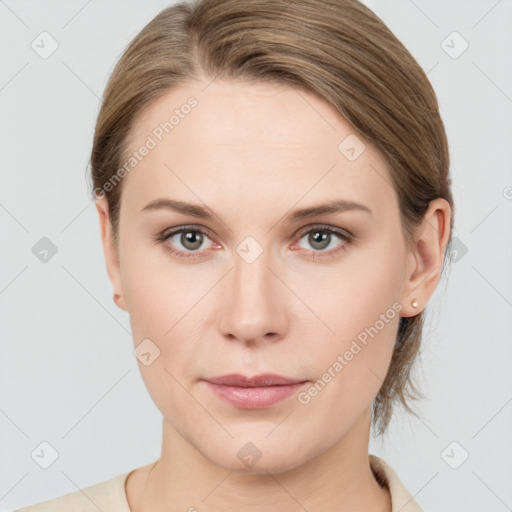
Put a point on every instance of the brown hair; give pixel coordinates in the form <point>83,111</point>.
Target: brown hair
<point>338,50</point>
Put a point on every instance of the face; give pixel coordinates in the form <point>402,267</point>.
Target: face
<point>244,284</point>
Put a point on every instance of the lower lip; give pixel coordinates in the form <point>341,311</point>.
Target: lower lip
<point>254,397</point>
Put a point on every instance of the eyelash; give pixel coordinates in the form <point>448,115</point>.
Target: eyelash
<point>346,237</point>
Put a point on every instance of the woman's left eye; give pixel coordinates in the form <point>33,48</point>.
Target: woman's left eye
<point>322,241</point>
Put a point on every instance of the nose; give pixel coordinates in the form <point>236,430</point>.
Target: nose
<point>253,305</point>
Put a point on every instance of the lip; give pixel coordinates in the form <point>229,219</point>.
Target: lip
<point>258,392</point>
<point>265,379</point>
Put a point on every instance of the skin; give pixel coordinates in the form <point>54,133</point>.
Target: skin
<point>252,154</point>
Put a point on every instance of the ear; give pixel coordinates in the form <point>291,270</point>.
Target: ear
<point>425,257</point>
<point>110,252</point>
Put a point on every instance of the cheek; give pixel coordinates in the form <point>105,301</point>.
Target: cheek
<point>161,309</point>
<point>350,366</point>
<point>157,293</point>
<point>354,295</point>
<point>360,307</point>
<point>168,306</point>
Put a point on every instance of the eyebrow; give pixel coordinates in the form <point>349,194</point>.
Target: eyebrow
<point>201,212</point>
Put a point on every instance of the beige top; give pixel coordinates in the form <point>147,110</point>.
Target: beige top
<point>110,495</point>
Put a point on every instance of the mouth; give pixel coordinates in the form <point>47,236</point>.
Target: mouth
<point>258,392</point>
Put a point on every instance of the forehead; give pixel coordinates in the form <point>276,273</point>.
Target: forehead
<point>240,113</point>
<point>252,141</point>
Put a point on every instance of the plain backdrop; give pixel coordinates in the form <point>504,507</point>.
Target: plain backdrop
<point>68,374</point>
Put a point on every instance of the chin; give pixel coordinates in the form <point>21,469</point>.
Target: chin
<point>256,454</point>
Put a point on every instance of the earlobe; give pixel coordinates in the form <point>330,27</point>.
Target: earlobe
<point>425,258</point>
<point>110,252</point>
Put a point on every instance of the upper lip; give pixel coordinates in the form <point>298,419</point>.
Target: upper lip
<point>266,379</point>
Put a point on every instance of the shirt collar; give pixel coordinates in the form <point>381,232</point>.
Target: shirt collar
<point>401,499</point>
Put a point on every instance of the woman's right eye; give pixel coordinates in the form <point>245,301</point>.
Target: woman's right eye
<point>190,239</point>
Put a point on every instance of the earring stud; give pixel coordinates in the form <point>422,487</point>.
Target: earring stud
<point>414,303</point>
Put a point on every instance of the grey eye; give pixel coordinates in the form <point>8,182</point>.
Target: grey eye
<point>318,239</point>
<point>321,239</point>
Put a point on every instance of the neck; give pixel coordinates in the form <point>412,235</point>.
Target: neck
<point>337,479</point>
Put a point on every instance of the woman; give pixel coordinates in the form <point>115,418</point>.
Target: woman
<point>272,184</point>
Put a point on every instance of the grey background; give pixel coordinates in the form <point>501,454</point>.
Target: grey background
<point>68,376</point>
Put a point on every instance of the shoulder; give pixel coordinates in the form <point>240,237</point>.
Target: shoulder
<point>401,499</point>
<point>107,495</point>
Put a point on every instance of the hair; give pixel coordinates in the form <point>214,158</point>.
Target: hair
<point>340,51</point>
